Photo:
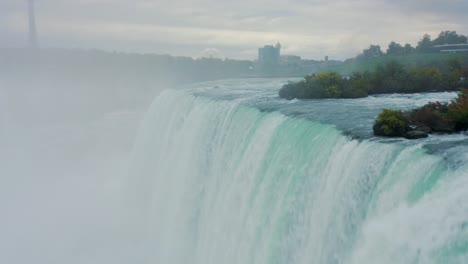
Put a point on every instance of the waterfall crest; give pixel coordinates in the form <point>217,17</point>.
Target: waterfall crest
<point>220,182</point>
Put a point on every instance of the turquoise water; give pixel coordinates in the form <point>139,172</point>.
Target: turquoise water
<point>226,172</point>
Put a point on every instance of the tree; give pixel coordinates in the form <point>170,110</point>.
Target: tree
<point>455,65</point>
<point>329,84</point>
<point>395,49</point>
<point>425,79</point>
<point>425,44</point>
<point>449,37</point>
<point>372,52</point>
<point>390,78</point>
<point>359,85</point>
<point>408,49</point>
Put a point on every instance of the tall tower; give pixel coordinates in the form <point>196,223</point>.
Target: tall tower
<point>32,26</point>
<point>278,47</point>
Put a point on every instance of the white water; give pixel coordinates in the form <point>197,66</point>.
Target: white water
<point>219,182</point>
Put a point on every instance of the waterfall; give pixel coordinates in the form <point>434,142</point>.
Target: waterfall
<point>221,182</point>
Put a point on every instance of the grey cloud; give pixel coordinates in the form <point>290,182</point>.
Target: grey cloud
<point>312,29</point>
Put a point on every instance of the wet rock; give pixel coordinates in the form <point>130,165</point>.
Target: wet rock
<point>443,126</point>
<point>414,134</point>
<point>422,127</point>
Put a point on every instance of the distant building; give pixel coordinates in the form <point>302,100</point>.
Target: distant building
<point>451,48</point>
<point>269,55</point>
<point>290,60</point>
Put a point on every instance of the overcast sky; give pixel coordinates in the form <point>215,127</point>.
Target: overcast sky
<point>235,28</point>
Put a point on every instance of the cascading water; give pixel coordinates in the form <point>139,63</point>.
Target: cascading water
<point>222,182</point>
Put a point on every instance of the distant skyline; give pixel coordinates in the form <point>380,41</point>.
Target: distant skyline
<point>311,29</point>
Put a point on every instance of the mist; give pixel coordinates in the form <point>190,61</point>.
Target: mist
<point>69,119</point>
<point>68,124</point>
<point>155,132</point>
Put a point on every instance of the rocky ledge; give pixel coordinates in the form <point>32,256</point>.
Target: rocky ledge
<point>431,118</point>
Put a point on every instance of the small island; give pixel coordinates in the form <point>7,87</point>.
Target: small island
<point>391,77</point>
<point>431,118</point>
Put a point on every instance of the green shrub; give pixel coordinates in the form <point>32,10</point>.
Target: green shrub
<point>458,110</point>
<point>392,122</point>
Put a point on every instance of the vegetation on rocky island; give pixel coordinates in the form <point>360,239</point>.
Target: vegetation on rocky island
<point>327,85</point>
<point>431,118</point>
<point>391,77</point>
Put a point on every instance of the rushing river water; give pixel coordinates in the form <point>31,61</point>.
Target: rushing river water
<point>230,173</point>
<point>226,172</point>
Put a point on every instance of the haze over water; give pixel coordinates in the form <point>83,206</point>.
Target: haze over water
<point>113,157</point>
